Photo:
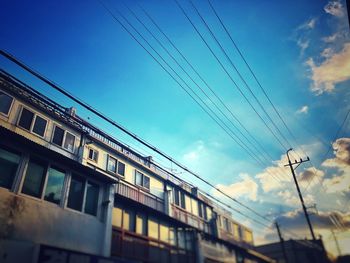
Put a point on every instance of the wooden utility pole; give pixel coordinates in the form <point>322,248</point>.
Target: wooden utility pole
<point>281,242</point>
<point>291,165</point>
<point>336,242</point>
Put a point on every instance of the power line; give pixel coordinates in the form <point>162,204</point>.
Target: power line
<point>208,97</point>
<point>117,125</point>
<point>238,73</point>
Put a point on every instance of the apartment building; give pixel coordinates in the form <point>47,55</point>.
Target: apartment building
<point>70,192</point>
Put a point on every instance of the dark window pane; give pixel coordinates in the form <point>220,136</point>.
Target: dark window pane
<point>121,168</point>
<point>69,142</point>
<point>54,186</point>
<point>146,182</point>
<point>58,136</point>
<point>76,193</point>
<point>5,103</point>
<point>8,166</point>
<point>39,126</point>
<point>34,180</point>
<point>138,178</point>
<point>26,119</point>
<point>91,199</point>
<point>93,155</point>
<point>176,197</point>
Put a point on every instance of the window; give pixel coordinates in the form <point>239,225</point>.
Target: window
<point>117,217</point>
<point>34,179</point>
<point>91,200</point>
<point>63,138</point>
<point>142,180</point>
<point>76,193</point>
<point>141,224</point>
<point>8,166</point>
<point>69,142</point>
<point>153,228</point>
<point>164,233</point>
<point>39,126</point>
<point>5,103</point>
<point>112,164</point>
<point>181,238</point>
<point>194,204</point>
<point>32,122</point>
<point>188,203</point>
<point>54,185</point>
<point>248,236</point>
<point>93,155</point>
<point>172,236</point>
<point>176,197</point>
<point>129,220</point>
<point>236,231</point>
<point>121,168</point>
<point>25,121</point>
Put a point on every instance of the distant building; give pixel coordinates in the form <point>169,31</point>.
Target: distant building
<point>297,251</point>
<point>69,192</point>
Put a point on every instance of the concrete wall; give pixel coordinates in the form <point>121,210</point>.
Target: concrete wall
<point>42,222</point>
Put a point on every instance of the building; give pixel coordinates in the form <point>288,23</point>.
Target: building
<point>70,192</point>
<point>306,251</point>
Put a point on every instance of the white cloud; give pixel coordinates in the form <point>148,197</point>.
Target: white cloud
<point>310,24</point>
<point>333,70</point>
<point>331,38</point>
<point>304,109</point>
<point>342,154</point>
<point>291,198</point>
<point>336,184</point>
<point>335,8</point>
<point>327,52</point>
<point>303,46</point>
<point>247,187</point>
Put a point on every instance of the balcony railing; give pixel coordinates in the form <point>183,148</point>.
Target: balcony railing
<point>141,248</point>
<point>132,192</point>
<point>190,219</point>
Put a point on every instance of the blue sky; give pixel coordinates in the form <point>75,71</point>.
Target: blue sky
<point>300,53</point>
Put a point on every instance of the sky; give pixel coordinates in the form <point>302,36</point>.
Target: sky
<point>299,52</point>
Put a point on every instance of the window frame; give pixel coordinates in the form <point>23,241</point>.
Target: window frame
<point>17,174</point>
<point>142,180</point>
<point>116,164</point>
<point>96,154</point>
<point>85,184</point>
<point>65,131</point>
<point>11,105</point>
<point>35,114</point>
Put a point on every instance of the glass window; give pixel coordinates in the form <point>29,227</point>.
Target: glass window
<point>172,236</point>
<point>39,126</point>
<point>176,197</point>
<point>188,203</point>
<point>54,186</point>
<point>189,241</point>
<point>93,155</point>
<point>181,238</point>
<point>140,224</point>
<point>34,179</point>
<point>138,178</point>
<point>69,142</point>
<point>5,103</point>
<point>126,220</point>
<point>112,164</point>
<point>121,168</point>
<point>235,231</point>
<point>8,166</point>
<point>76,193</point>
<point>153,228</point>
<point>209,213</point>
<point>58,136</point>
<point>248,236</point>
<point>26,119</point>
<point>194,204</point>
<point>146,182</point>
<point>164,233</point>
<point>182,199</point>
<point>91,200</point>
<point>117,217</point>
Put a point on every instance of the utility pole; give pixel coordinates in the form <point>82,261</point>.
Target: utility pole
<point>336,242</point>
<point>290,164</point>
<point>282,242</point>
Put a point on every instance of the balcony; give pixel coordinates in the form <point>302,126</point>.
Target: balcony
<point>130,191</point>
<point>190,219</point>
<point>132,246</point>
